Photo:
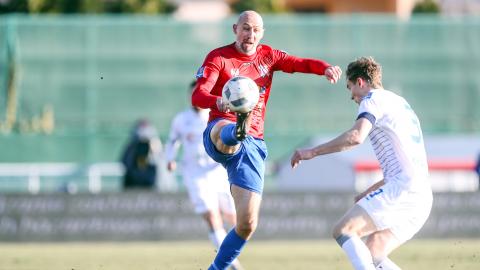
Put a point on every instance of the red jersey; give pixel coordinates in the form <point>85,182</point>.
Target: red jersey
<point>226,62</point>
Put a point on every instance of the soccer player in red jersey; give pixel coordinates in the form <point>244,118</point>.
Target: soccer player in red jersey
<point>239,146</point>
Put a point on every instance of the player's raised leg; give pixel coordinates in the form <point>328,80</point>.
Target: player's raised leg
<point>226,135</point>
<point>355,224</point>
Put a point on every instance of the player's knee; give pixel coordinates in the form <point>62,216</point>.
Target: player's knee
<point>246,229</point>
<point>337,230</point>
<point>342,228</point>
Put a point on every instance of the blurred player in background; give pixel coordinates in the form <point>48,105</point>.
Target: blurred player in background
<point>205,180</point>
<point>239,146</point>
<point>394,209</point>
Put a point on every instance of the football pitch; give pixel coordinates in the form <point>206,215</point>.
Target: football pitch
<point>458,254</point>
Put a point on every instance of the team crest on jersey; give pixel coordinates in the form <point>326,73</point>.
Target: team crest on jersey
<point>234,72</point>
<point>200,72</point>
<point>263,70</point>
<point>262,89</point>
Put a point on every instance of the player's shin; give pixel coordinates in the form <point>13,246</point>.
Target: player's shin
<point>228,251</point>
<point>216,237</point>
<point>357,252</point>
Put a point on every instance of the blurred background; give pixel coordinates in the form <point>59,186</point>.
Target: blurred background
<point>79,77</point>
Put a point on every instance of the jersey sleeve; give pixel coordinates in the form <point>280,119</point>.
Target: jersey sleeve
<point>207,76</point>
<point>290,64</point>
<point>370,109</point>
<point>173,143</point>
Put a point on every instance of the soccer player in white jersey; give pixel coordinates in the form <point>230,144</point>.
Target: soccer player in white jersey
<point>394,209</point>
<point>206,181</point>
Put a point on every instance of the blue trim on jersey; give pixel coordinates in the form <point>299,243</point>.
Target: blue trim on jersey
<point>246,167</point>
<point>370,117</point>
<point>200,72</point>
<point>369,95</point>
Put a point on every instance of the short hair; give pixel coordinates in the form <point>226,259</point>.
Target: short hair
<point>366,68</point>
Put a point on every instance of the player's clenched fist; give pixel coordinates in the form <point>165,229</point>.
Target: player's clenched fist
<point>333,73</point>
<point>301,154</point>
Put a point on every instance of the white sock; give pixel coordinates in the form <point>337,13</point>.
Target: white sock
<point>357,252</point>
<point>217,237</point>
<point>386,264</point>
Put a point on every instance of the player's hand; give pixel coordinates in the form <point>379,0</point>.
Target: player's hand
<point>171,166</point>
<point>333,73</point>
<point>222,105</point>
<point>299,155</point>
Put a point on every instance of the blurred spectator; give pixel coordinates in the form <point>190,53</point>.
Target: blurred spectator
<point>141,156</point>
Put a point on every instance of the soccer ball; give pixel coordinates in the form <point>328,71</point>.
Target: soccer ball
<point>241,94</point>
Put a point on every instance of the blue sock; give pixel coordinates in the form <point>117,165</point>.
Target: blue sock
<point>228,251</point>
<point>227,135</point>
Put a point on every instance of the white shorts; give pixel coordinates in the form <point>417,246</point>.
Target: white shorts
<point>209,189</point>
<point>402,211</point>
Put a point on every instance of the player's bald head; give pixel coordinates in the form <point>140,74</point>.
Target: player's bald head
<point>248,32</point>
<point>250,17</point>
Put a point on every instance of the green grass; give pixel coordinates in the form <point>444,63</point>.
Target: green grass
<point>458,254</point>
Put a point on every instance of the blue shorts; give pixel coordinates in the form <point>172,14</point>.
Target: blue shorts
<point>246,167</point>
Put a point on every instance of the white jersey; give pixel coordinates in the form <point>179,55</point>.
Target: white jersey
<point>187,130</point>
<point>396,138</point>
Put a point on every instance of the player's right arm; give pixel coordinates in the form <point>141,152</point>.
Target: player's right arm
<point>289,63</point>
<point>207,76</point>
<point>347,140</point>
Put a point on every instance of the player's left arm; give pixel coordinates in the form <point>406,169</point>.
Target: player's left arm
<point>347,140</point>
<point>289,63</point>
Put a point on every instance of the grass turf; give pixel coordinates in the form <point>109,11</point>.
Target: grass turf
<point>458,254</point>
